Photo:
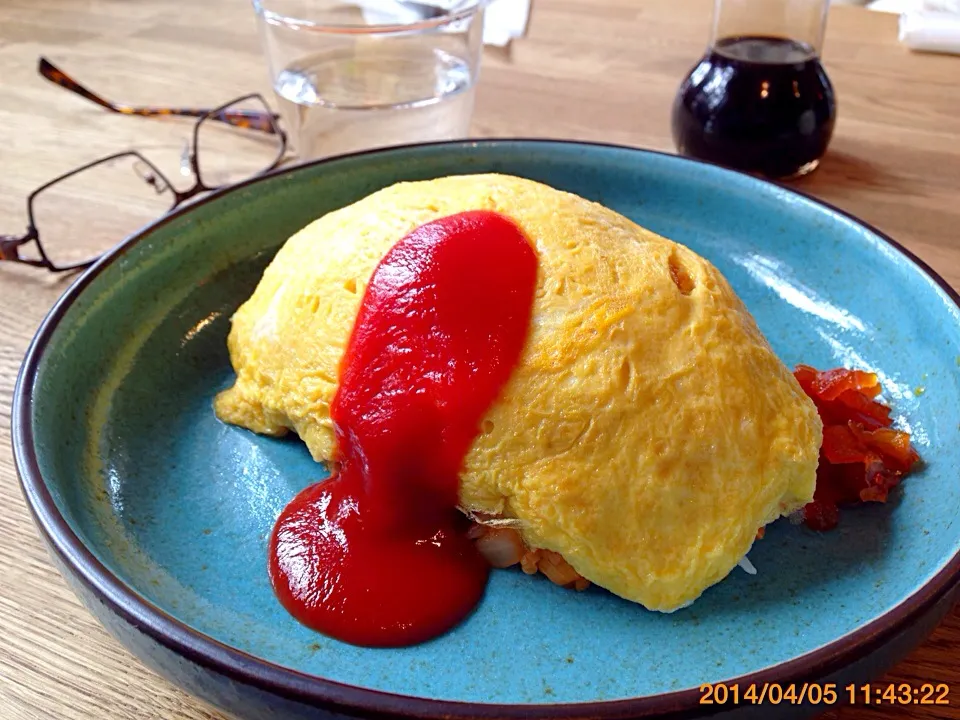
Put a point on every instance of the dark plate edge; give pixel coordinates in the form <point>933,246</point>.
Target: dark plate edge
<point>312,690</point>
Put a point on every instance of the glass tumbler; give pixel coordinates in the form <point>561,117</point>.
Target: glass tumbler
<point>371,73</point>
<point>759,100</point>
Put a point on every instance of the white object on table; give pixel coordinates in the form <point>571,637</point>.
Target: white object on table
<point>901,6</point>
<point>890,6</point>
<point>927,25</point>
<point>504,19</point>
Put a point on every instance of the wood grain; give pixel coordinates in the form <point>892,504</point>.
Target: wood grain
<point>589,69</point>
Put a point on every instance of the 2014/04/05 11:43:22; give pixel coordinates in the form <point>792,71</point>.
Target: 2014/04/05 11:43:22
<point>824,694</point>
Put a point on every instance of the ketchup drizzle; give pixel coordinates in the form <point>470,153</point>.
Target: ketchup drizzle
<point>377,555</point>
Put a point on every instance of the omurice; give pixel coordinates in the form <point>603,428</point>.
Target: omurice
<point>645,431</point>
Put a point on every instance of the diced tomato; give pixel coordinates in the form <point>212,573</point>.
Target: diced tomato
<point>872,392</point>
<point>840,483</point>
<point>840,445</point>
<point>862,458</point>
<point>866,410</point>
<point>806,376</point>
<point>821,515</point>
<point>893,445</point>
<point>879,480</point>
<point>829,384</point>
<point>835,412</point>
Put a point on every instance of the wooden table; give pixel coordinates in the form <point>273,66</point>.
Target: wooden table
<point>589,69</point>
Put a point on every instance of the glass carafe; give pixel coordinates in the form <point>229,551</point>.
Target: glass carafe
<point>759,100</point>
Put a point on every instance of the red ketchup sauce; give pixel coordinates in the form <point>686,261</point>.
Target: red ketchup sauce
<point>377,555</point>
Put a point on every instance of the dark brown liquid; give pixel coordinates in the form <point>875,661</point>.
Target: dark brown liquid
<point>759,104</point>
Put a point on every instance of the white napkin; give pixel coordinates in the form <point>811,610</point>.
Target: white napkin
<point>504,19</point>
<point>932,26</point>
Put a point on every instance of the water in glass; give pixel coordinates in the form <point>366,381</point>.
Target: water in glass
<point>337,102</point>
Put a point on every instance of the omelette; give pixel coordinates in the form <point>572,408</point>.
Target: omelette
<point>646,433</point>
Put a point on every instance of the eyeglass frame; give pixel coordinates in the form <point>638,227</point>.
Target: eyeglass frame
<point>10,244</point>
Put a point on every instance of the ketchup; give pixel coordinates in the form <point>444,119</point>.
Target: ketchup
<point>377,555</point>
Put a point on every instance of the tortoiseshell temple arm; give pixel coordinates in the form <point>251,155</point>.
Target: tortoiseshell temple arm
<point>8,248</point>
<point>251,119</point>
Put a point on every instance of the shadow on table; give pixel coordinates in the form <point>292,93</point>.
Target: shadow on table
<point>849,171</point>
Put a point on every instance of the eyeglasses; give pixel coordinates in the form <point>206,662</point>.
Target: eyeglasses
<point>134,187</point>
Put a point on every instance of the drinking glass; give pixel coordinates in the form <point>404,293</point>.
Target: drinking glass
<point>372,73</point>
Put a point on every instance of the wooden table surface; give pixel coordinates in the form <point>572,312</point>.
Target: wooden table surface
<point>588,69</point>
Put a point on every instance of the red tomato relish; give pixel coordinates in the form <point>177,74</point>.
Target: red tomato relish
<point>862,457</point>
<point>378,554</point>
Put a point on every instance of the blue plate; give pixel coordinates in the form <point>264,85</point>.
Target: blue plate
<point>159,514</point>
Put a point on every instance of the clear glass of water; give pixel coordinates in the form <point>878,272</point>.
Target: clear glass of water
<point>372,73</point>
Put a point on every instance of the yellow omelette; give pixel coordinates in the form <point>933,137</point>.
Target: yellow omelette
<point>648,429</point>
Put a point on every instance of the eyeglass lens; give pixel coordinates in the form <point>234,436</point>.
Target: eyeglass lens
<point>130,192</point>
<point>228,154</point>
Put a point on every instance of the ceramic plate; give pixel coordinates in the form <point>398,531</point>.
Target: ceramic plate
<point>160,514</point>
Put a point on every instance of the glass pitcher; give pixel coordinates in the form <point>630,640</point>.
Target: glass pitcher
<point>759,100</point>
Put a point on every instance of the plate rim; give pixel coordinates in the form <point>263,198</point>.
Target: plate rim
<point>313,690</point>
